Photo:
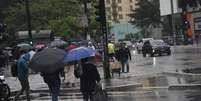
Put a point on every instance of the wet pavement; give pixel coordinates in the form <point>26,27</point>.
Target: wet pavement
<point>150,79</point>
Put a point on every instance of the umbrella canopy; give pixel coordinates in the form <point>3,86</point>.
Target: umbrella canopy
<point>48,60</point>
<point>24,47</point>
<point>71,46</point>
<point>38,46</point>
<point>57,43</point>
<point>79,53</point>
<point>8,48</point>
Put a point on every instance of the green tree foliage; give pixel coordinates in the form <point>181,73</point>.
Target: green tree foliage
<point>147,14</point>
<point>58,15</point>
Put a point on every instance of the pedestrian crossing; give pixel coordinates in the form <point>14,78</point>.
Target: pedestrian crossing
<point>77,96</point>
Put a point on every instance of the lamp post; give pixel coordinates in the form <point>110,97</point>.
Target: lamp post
<point>173,23</point>
<point>28,21</point>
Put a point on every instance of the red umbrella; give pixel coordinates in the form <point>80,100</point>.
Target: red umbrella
<point>71,46</point>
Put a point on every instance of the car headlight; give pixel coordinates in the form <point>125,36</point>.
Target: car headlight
<point>153,50</point>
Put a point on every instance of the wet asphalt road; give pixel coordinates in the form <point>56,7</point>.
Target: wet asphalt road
<point>152,73</point>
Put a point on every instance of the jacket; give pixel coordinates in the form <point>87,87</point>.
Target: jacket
<point>22,67</point>
<point>123,53</point>
<point>89,77</point>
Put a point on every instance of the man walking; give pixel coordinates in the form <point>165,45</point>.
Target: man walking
<point>53,81</point>
<point>22,69</point>
<point>123,55</point>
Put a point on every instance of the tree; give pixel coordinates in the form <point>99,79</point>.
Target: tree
<point>147,15</point>
<point>57,15</point>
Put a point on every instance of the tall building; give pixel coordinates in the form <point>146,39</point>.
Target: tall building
<point>117,14</point>
<point>118,10</point>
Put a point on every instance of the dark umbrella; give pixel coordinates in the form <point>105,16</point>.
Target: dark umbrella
<point>57,43</point>
<point>48,60</point>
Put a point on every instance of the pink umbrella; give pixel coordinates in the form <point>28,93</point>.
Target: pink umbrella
<point>40,46</point>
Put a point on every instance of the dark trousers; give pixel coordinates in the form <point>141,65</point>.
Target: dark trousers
<point>54,87</point>
<point>25,88</point>
<point>87,95</point>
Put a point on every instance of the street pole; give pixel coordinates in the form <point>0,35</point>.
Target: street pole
<point>173,23</point>
<point>105,33</point>
<point>86,29</point>
<point>28,21</point>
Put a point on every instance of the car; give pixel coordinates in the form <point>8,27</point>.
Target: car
<point>140,43</point>
<point>153,47</point>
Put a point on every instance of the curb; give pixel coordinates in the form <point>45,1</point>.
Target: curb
<point>181,74</point>
<point>184,86</point>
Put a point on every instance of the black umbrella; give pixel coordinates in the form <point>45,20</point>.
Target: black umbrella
<point>48,60</point>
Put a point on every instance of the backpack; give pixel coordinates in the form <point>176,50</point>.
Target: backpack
<point>14,69</point>
<point>78,71</point>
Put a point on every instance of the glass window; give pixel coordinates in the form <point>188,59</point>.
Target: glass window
<point>131,7</point>
<point>119,8</point>
<point>120,16</point>
<point>131,1</point>
<point>119,1</point>
<point>108,1</point>
<point>109,17</point>
<point>108,9</point>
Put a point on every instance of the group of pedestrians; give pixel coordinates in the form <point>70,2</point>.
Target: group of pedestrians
<point>121,53</point>
<point>88,80</point>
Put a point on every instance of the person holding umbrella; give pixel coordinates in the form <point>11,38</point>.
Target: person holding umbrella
<point>53,81</point>
<point>22,74</point>
<point>50,63</point>
<point>89,79</point>
<point>88,73</point>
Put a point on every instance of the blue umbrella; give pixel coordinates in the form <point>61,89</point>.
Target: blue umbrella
<point>79,53</point>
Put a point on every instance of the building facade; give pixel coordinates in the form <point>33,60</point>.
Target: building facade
<point>117,11</point>
<point>117,14</point>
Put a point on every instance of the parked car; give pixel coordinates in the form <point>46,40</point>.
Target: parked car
<point>140,43</point>
<point>153,47</point>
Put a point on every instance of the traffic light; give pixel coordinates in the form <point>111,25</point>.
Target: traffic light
<point>99,11</point>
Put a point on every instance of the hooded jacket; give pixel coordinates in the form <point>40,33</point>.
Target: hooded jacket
<point>22,66</point>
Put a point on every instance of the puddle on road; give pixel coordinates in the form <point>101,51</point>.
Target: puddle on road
<point>163,81</point>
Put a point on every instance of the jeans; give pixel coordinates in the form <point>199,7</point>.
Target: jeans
<point>125,62</point>
<point>54,87</point>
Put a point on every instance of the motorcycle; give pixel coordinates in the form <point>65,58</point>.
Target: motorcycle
<point>4,89</point>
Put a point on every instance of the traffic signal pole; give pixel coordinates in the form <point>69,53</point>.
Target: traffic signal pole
<point>28,21</point>
<point>105,33</point>
<point>173,23</point>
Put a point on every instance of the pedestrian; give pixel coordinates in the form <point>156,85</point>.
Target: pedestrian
<point>69,75</point>
<point>91,45</point>
<point>22,74</point>
<point>111,49</point>
<point>89,78</point>
<point>123,55</point>
<point>53,81</point>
